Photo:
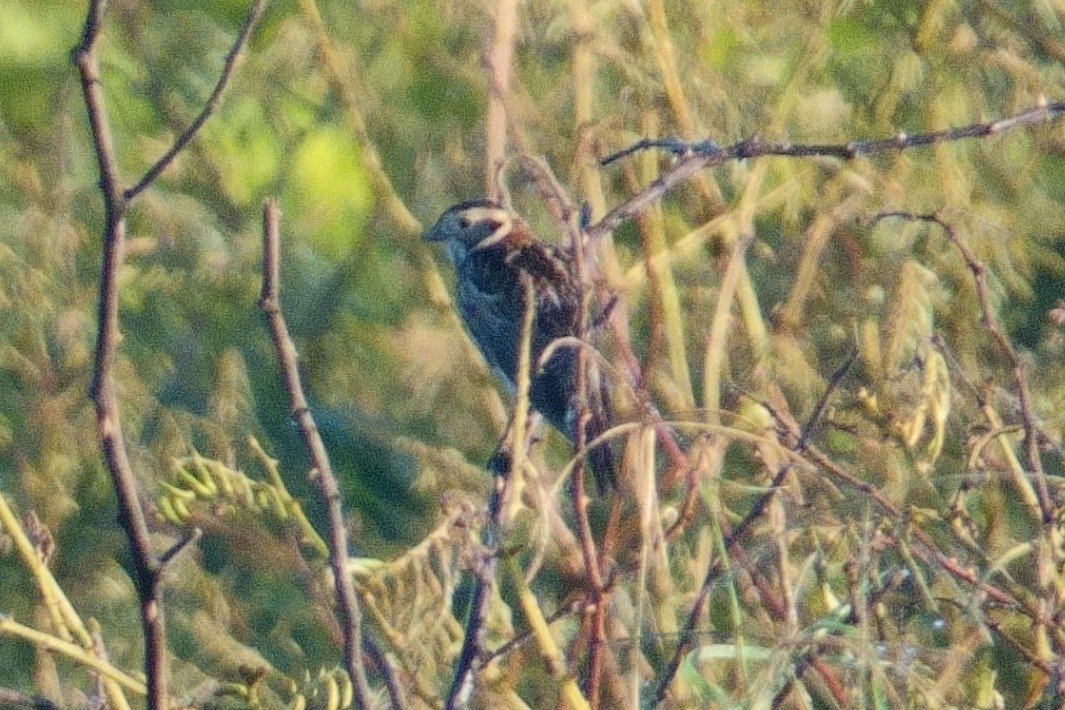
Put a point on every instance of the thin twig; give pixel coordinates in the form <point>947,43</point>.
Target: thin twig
<point>594,614</point>
<point>1022,649</point>
<point>822,401</point>
<point>990,324</point>
<point>520,638</point>
<point>387,668</point>
<point>685,168</point>
<point>255,11</point>
<point>322,472</point>
<point>180,546</point>
<point>721,327</point>
<point>687,634</point>
<point>469,659</point>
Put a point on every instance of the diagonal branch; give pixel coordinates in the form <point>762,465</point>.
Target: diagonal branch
<point>322,470</point>
<point>255,11</point>
<point>470,659</point>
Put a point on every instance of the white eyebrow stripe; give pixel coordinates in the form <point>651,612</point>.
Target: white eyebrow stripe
<point>490,214</point>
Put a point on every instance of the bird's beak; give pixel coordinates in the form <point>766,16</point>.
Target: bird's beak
<point>434,234</point>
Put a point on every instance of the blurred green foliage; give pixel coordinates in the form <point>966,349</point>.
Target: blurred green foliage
<point>407,411</point>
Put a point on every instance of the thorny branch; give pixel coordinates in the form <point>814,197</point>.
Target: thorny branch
<point>694,157</point>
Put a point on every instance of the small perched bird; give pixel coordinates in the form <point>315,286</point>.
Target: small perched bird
<point>490,250</point>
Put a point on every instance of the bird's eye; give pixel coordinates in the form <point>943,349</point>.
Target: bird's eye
<point>464,222</point>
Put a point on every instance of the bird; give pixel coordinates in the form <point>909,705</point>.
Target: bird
<point>490,249</point>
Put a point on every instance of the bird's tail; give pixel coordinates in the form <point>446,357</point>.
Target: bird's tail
<point>601,456</point>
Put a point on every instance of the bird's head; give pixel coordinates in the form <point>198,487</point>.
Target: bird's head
<point>468,226</point>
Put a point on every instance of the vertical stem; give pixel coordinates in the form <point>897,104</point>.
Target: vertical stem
<point>500,59</point>
<point>322,475</point>
<point>146,565</point>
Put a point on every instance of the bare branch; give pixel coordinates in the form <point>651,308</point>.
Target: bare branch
<point>822,402</point>
<point>506,466</point>
<point>89,69</point>
<point>593,614</point>
<point>694,157</point>
<point>322,470</point>
<point>754,147</point>
<point>180,546</point>
<point>147,568</point>
<point>713,573</point>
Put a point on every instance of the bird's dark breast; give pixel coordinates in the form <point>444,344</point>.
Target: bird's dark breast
<point>491,302</point>
<point>486,271</point>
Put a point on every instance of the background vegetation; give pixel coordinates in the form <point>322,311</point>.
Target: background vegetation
<point>905,548</point>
